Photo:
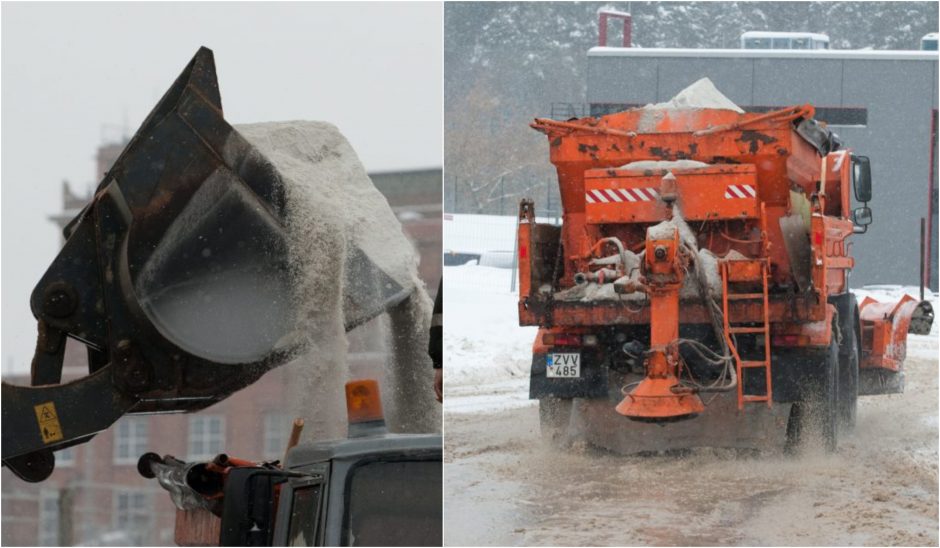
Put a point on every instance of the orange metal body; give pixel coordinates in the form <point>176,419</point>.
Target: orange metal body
<point>884,332</point>
<point>657,396</point>
<point>765,142</point>
<point>760,151</point>
<point>817,333</point>
<point>758,163</point>
<point>623,196</point>
<point>767,197</point>
<point>752,272</point>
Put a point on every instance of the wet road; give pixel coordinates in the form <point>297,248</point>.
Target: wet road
<point>880,488</point>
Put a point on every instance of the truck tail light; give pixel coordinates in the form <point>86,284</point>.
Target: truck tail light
<point>789,340</point>
<point>561,339</point>
<point>568,339</point>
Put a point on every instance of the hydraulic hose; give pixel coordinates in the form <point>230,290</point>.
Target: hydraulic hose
<point>715,315</point>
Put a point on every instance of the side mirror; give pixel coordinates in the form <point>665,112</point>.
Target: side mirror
<point>862,218</point>
<point>861,178</point>
<point>248,506</point>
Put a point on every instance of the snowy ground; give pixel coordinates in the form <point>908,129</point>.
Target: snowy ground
<point>466,233</point>
<point>505,488</point>
<point>487,354</point>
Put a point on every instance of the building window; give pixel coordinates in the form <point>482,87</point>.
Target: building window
<point>276,430</point>
<point>65,457</point>
<point>833,116</point>
<point>206,436</point>
<point>132,516</point>
<point>48,518</point>
<point>130,439</point>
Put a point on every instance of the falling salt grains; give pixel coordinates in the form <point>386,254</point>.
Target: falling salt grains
<point>332,208</point>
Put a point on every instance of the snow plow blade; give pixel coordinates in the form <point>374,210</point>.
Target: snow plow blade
<point>177,278</point>
<point>884,330</point>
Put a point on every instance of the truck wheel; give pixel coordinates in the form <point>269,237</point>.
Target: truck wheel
<point>818,413</point>
<point>848,376</point>
<point>554,417</point>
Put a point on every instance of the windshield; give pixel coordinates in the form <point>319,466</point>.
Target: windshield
<point>757,43</point>
<point>801,43</point>
<point>394,504</point>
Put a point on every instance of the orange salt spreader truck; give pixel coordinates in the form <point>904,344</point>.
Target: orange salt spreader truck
<point>701,272</point>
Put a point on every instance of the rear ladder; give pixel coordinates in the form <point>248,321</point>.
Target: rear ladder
<point>748,273</point>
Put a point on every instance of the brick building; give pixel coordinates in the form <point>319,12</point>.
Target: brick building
<point>96,497</point>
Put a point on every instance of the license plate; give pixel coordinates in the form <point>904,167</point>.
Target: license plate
<point>564,365</point>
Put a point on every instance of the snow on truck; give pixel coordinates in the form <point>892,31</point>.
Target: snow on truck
<point>701,272</point>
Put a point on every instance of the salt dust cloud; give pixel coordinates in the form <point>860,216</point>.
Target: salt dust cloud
<point>333,210</point>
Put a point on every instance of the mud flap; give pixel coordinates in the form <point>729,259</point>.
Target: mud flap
<point>873,382</point>
<point>721,425</point>
<point>847,308</point>
<point>796,242</point>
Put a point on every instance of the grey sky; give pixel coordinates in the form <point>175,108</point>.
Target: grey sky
<point>73,73</point>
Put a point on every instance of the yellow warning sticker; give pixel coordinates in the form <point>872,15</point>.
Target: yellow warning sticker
<point>49,426</point>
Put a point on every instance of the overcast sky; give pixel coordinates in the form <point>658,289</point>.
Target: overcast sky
<point>74,74</point>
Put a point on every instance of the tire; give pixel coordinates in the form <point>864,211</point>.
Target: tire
<point>848,374</point>
<point>554,418</point>
<point>818,412</point>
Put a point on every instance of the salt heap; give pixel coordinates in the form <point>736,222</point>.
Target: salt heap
<point>701,94</point>
<point>332,210</point>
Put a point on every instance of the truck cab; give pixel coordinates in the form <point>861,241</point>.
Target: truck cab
<point>373,488</point>
<point>380,490</point>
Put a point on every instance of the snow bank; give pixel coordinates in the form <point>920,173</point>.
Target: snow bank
<point>483,342</point>
<point>477,234</point>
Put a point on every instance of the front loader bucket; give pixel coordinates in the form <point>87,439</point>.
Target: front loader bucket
<point>177,277</point>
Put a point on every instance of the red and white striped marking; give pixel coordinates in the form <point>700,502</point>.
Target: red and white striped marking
<point>740,191</point>
<point>608,195</point>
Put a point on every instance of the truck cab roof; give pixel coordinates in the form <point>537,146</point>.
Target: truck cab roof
<point>306,454</point>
